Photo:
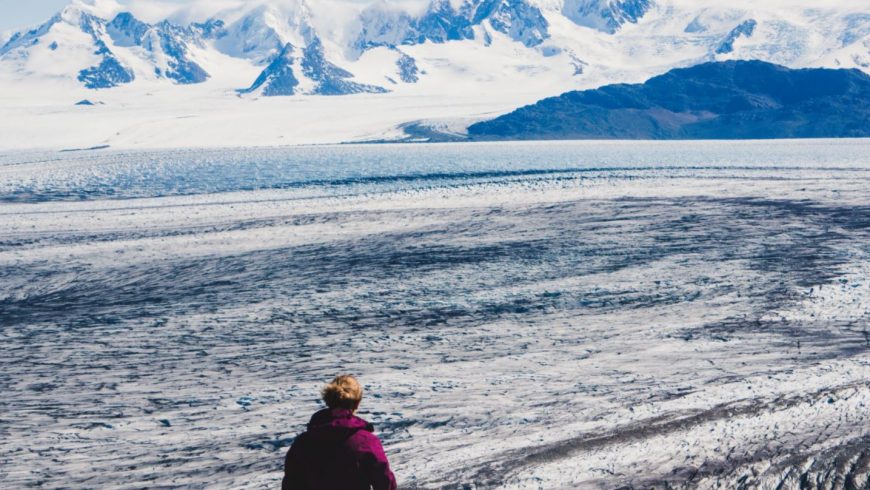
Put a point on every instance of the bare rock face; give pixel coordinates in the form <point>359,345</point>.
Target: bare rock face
<point>330,79</point>
<point>278,79</point>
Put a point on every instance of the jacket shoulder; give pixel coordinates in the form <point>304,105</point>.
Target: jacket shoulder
<point>365,439</point>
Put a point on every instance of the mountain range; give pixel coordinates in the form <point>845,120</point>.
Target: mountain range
<point>334,48</point>
<point>263,72</point>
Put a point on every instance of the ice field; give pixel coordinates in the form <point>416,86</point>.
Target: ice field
<point>522,315</point>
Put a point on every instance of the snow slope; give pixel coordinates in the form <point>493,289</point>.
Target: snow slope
<point>157,66</point>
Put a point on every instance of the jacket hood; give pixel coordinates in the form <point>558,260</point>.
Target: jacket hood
<point>337,423</point>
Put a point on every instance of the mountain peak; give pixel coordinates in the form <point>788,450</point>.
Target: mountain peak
<point>328,78</point>
<point>278,79</point>
<point>519,20</point>
<point>126,30</point>
<point>97,8</point>
<point>606,15</point>
<point>261,33</point>
<point>444,21</point>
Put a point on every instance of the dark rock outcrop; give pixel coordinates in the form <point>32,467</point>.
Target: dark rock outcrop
<point>719,100</point>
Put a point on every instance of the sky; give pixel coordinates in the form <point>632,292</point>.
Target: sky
<point>18,13</point>
<point>15,14</point>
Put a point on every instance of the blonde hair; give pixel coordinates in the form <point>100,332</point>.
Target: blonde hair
<point>342,392</point>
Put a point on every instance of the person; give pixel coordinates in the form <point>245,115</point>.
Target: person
<point>339,450</point>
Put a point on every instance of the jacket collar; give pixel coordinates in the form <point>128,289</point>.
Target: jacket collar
<point>339,418</point>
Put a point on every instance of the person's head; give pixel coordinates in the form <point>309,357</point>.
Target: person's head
<point>343,392</point>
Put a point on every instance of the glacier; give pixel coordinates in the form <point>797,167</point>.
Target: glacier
<point>522,315</point>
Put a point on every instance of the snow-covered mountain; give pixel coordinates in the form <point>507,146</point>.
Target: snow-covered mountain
<point>256,72</point>
<point>606,15</point>
<point>442,21</point>
<point>299,49</point>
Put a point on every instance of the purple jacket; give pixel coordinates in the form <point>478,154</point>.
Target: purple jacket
<point>338,451</point>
